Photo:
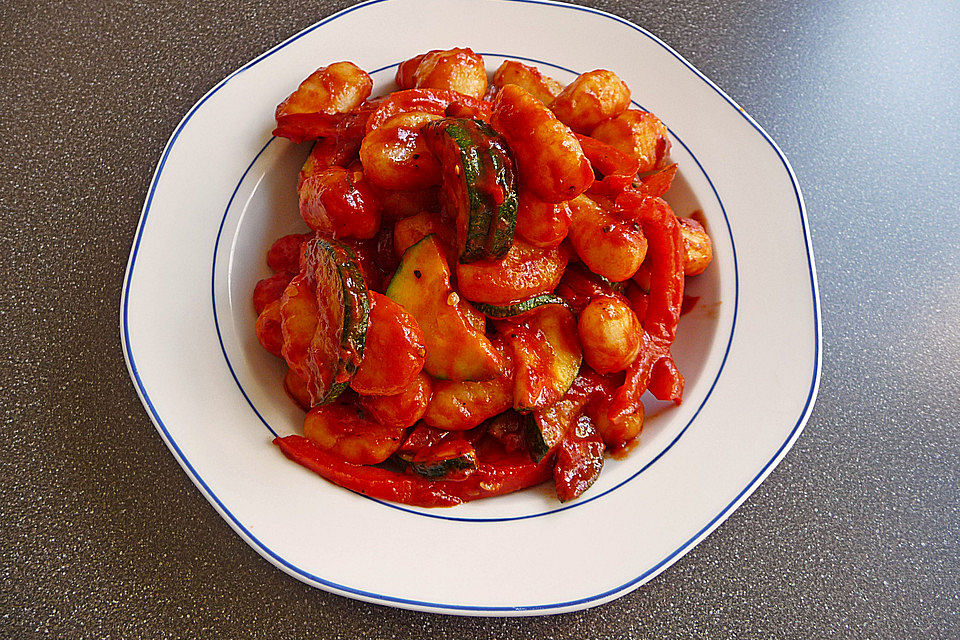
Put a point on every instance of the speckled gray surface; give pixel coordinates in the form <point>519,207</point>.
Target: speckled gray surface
<point>854,535</point>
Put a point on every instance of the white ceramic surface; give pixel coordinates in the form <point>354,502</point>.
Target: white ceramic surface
<point>750,350</point>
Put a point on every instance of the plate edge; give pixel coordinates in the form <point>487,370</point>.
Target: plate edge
<point>457,609</point>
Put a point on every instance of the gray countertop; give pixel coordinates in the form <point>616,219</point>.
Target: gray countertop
<point>854,535</point>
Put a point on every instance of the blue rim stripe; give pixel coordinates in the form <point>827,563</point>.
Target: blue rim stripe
<point>374,597</point>
<point>213,293</point>
<point>580,502</point>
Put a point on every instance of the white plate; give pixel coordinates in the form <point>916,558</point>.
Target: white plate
<point>750,350</point>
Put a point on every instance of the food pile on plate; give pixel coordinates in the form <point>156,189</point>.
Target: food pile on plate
<point>491,283</point>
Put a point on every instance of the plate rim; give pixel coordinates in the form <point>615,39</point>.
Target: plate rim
<point>537,609</point>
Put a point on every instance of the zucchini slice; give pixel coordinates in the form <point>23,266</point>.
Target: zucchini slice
<point>450,460</point>
<point>547,355</point>
<point>517,308</point>
<point>343,314</point>
<point>479,185</point>
<point>456,348</point>
<point>544,430</point>
<point>437,454</point>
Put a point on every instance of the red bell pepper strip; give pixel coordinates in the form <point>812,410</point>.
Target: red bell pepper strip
<point>666,381</point>
<point>654,367</point>
<point>657,184</point>
<point>618,170</point>
<point>435,101</point>
<point>300,127</point>
<point>488,480</point>
<point>579,460</point>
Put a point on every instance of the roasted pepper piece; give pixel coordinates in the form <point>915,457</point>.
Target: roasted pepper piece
<point>579,460</point>
<point>617,170</point>
<point>654,367</point>
<point>488,480</point>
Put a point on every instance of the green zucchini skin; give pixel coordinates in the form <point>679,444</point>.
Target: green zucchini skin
<point>356,318</point>
<point>546,352</point>
<point>479,185</point>
<point>342,295</point>
<point>438,467</point>
<point>545,429</point>
<point>518,308</point>
<point>437,454</point>
<point>504,197</point>
<point>540,435</point>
